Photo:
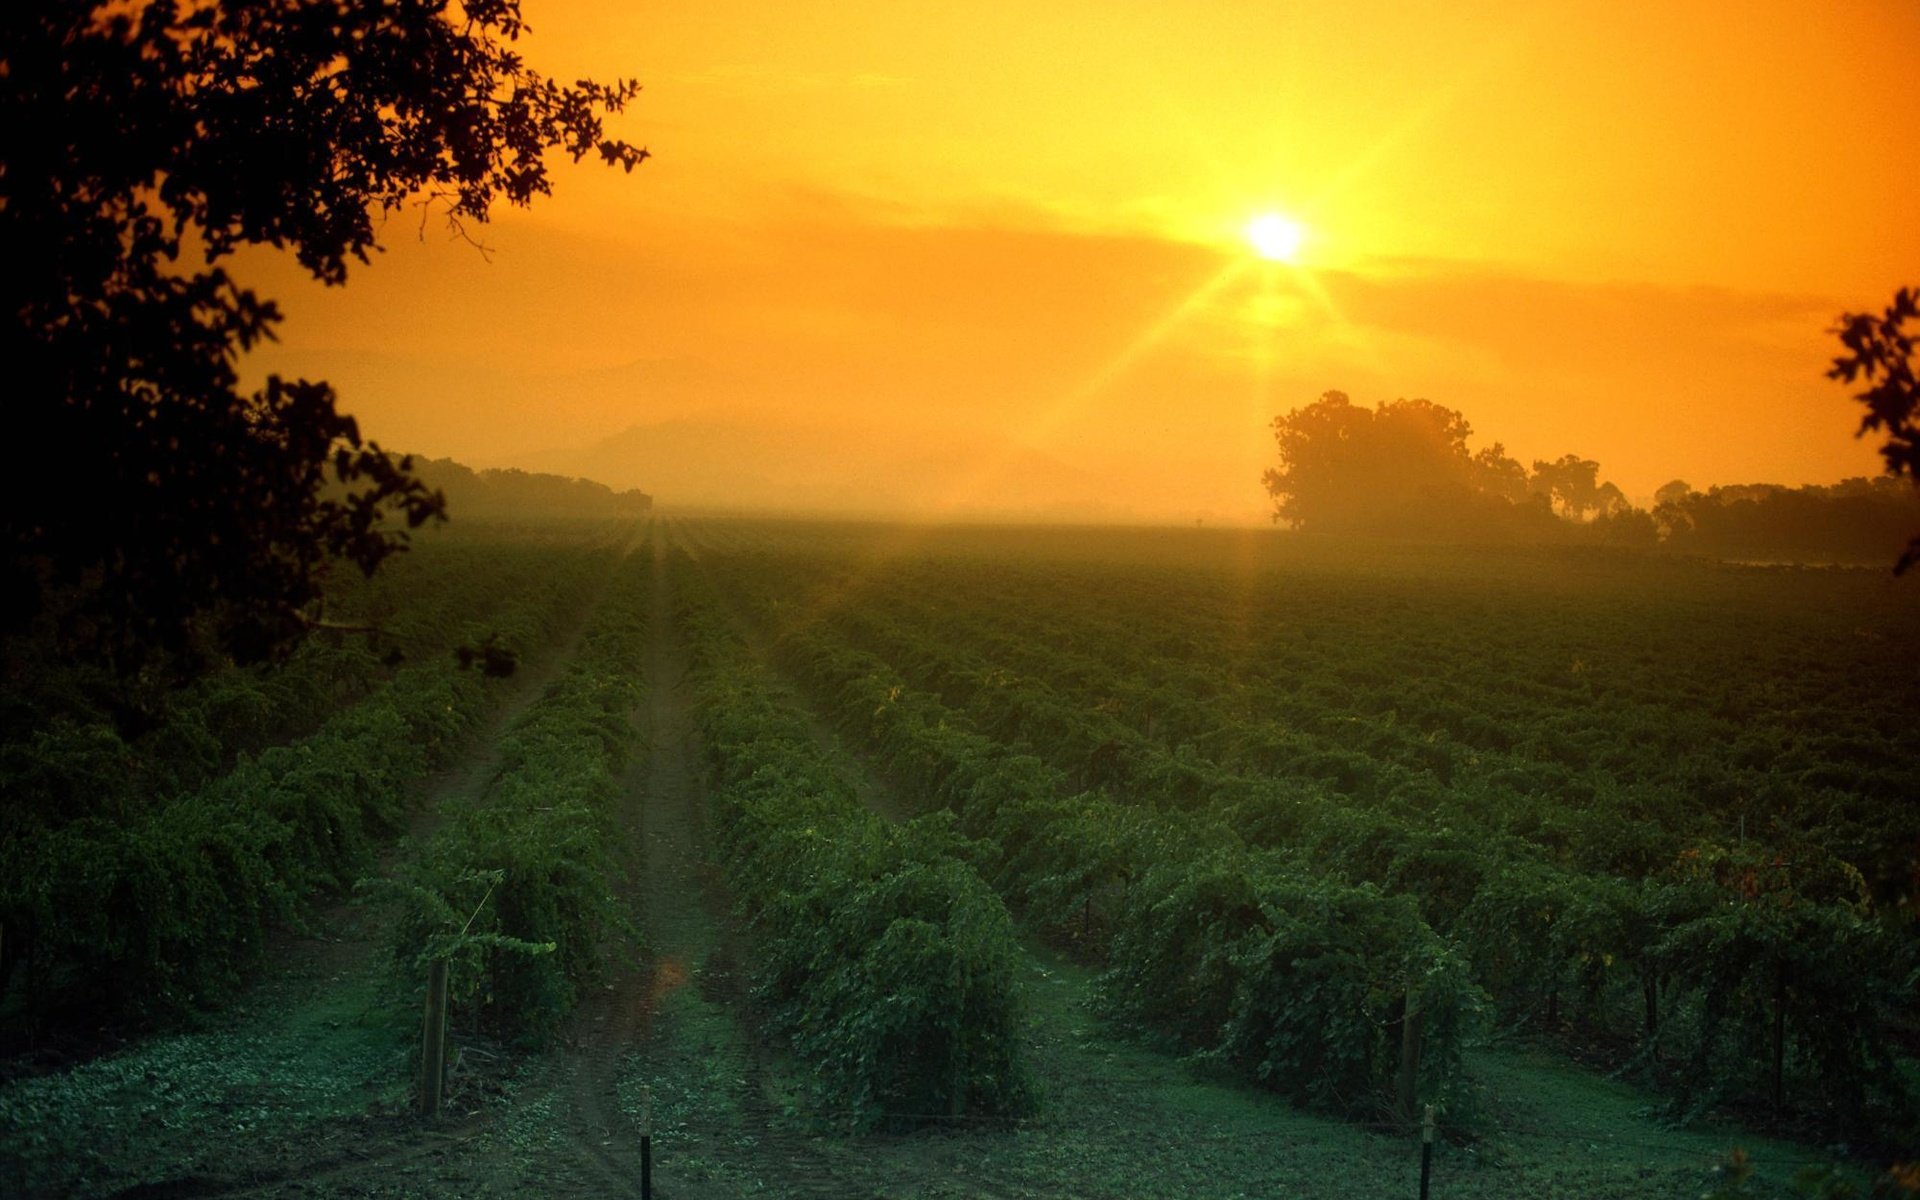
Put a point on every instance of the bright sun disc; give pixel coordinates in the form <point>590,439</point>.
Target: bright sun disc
<point>1276,237</point>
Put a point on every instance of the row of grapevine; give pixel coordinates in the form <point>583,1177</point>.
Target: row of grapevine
<point>1729,962</point>
<point>78,745</point>
<point>1332,993</point>
<point>513,887</point>
<point>159,904</point>
<point>1574,728</point>
<point>1725,963</point>
<point>884,958</point>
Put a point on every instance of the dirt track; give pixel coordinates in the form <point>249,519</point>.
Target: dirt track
<point>675,1017</point>
<point>659,852</point>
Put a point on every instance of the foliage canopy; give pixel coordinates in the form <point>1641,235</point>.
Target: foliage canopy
<point>140,145</point>
<point>1401,466</point>
<point>1879,350</point>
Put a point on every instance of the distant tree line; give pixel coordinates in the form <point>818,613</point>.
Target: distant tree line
<point>1403,468</point>
<point>510,492</point>
<point>1855,520</point>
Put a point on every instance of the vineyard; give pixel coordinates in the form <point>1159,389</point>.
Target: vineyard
<point>869,861</point>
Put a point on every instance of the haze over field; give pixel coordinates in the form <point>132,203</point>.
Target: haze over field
<point>992,259</point>
<point>1246,599</point>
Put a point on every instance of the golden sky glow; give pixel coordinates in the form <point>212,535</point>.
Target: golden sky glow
<point>995,256</point>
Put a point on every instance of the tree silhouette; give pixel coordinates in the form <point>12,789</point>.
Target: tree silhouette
<point>1401,466</point>
<point>1880,351</point>
<point>1674,491</point>
<point>156,507</point>
<point>1854,520</point>
<point>1574,485</point>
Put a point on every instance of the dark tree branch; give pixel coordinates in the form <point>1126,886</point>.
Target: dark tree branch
<point>1879,351</point>
<point>140,145</point>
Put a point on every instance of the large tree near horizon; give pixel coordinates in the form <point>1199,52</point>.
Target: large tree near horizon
<point>152,509</point>
<point>1401,466</point>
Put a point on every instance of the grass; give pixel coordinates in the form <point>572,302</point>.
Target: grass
<point>304,1049</point>
<point>703,1080</point>
<point>310,1055</point>
<point>1124,1120</point>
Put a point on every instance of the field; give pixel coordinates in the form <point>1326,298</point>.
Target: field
<point>883,861</point>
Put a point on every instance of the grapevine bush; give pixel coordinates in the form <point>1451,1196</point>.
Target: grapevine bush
<point>885,959</point>
<point>1543,758</point>
<point>513,888</point>
<point>1298,981</point>
<point>140,871</point>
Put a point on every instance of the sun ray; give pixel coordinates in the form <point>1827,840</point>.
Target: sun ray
<point>907,539</point>
<point>1443,97</point>
<point>1043,425</point>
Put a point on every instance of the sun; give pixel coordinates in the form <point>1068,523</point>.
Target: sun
<point>1275,237</point>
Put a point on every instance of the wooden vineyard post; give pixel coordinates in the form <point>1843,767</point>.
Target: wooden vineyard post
<point>646,1142</point>
<point>1408,1084</point>
<point>1779,1037</point>
<point>433,1040</point>
<point>1426,1151</point>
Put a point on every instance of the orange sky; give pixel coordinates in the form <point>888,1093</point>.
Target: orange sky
<point>988,258</point>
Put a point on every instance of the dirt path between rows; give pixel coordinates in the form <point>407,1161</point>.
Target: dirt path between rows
<point>341,943</point>
<point>348,939</point>
<point>563,1134</point>
<point>676,1019</point>
<point>658,853</point>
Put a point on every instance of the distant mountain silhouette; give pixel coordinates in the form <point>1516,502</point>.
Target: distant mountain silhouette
<point>753,465</point>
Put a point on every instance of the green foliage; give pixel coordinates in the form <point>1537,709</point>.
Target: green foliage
<point>1821,970</point>
<point>885,959</point>
<point>513,888</point>
<point>1327,978</point>
<point>1285,974</point>
<point>150,140</point>
<point>1879,350</point>
<point>1539,756</point>
<point>161,910</point>
<point>138,879</point>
